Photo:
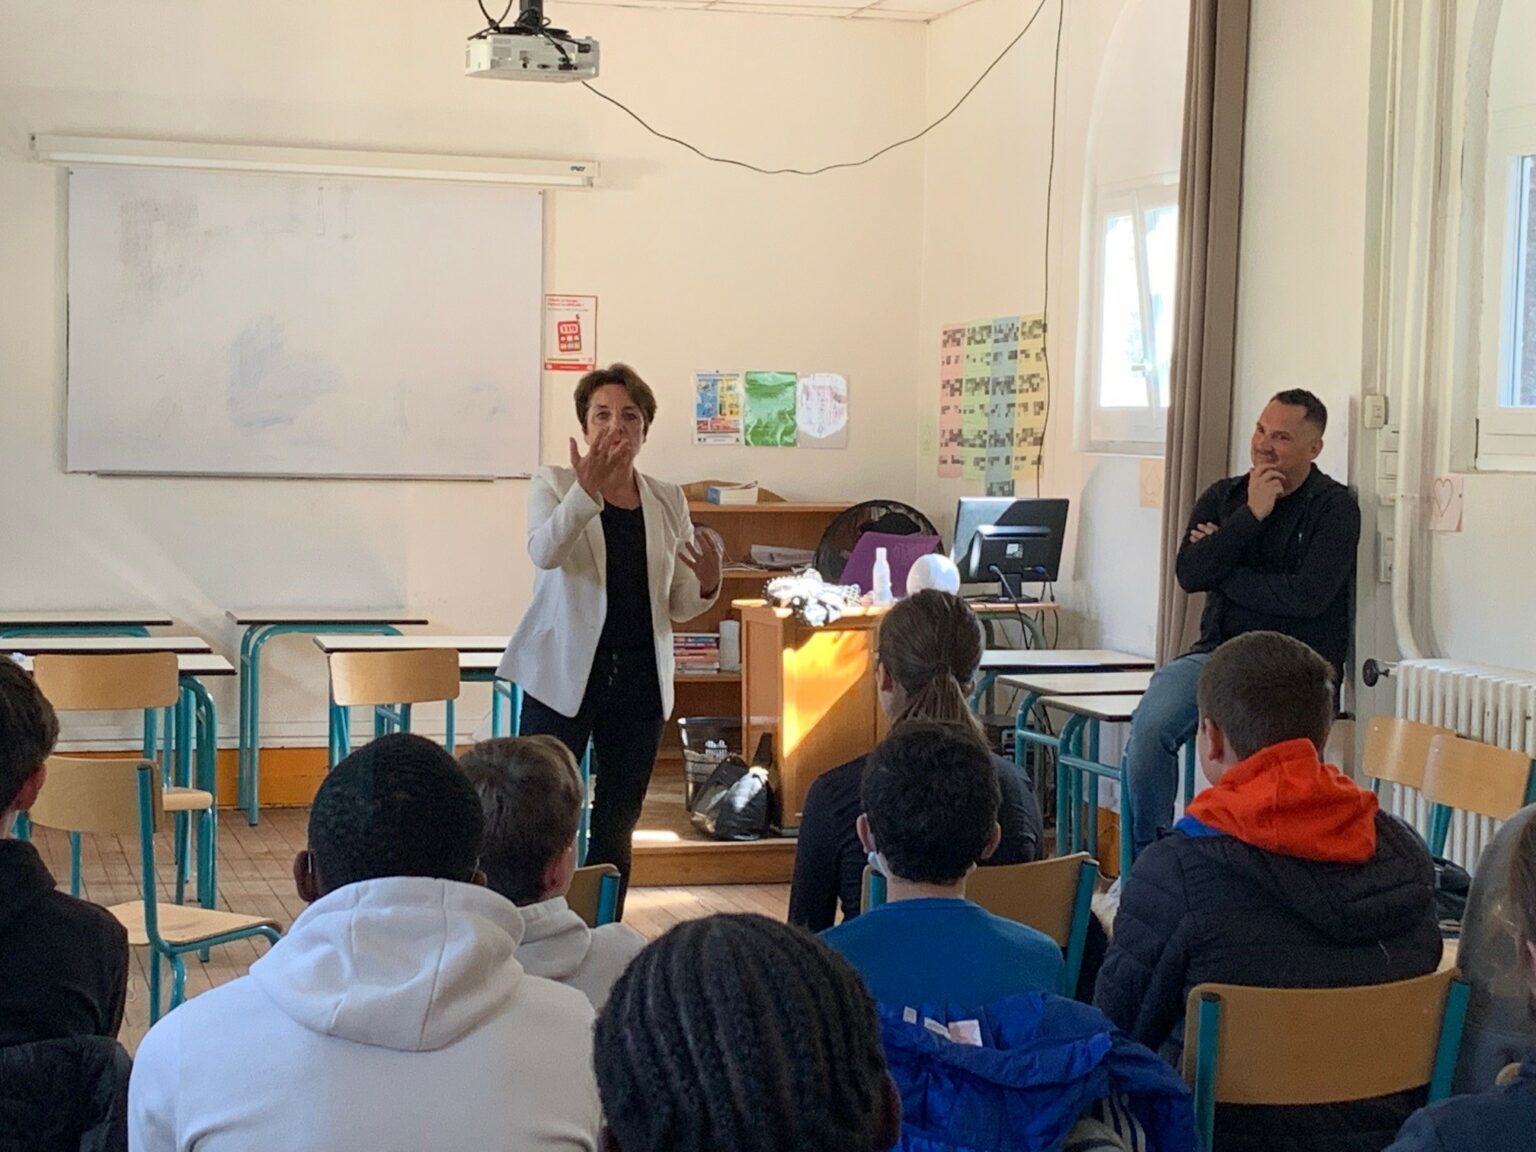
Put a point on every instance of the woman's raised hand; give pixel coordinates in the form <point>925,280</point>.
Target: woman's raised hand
<point>609,459</point>
<point>701,556</point>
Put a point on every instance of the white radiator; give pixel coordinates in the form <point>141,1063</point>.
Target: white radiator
<point>1494,705</point>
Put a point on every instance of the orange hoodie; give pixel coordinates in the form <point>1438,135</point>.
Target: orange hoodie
<point>1284,799</point>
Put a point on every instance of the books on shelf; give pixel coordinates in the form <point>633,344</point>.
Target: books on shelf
<point>696,652</point>
<point>732,493</point>
<point>779,556</point>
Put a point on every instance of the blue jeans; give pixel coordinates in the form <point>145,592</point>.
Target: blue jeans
<point>1164,722</point>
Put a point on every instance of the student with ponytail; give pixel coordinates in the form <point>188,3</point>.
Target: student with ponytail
<point>927,654</point>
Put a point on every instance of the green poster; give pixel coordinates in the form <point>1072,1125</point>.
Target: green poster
<point>769,421</point>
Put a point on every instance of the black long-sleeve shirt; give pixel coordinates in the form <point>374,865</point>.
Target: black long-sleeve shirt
<point>63,962</point>
<point>1292,572</point>
<point>829,860</point>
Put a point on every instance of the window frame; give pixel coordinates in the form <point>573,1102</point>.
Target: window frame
<point>1123,431</point>
<point>1506,436</point>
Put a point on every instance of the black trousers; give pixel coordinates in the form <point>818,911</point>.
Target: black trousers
<point>621,714</point>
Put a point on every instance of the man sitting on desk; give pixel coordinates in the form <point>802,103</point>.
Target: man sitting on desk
<point>1274,550</point>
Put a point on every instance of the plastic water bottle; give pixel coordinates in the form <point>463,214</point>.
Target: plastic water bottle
<point>882,577</point>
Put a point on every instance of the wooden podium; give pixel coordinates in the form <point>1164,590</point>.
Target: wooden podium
<point>812,689</point>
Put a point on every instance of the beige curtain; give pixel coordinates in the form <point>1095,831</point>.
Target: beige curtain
<point>1205,310</point>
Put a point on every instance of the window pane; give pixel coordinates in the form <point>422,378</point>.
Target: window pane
<point>1520,391</point>
<point>1162,240</point>
<point>1121,356</point>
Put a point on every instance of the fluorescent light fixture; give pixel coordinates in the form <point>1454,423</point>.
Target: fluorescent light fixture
<point>71,150</point>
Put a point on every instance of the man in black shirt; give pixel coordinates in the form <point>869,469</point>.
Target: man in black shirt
<point>63,962</point>
<point>1274,550</point>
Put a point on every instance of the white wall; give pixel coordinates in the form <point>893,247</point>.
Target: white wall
<point>697,266</point>
<point>985,181</point>
<point>1481,604</point>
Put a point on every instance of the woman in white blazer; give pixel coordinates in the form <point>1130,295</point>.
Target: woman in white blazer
<point>618,561</point>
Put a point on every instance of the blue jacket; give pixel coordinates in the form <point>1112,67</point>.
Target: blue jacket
<point>1500,1120</point>
<point>1045,1061</point>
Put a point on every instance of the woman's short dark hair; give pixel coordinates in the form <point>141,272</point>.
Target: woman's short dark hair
<point>1264,688</point>
<point>626,378</point>
<point>931,794</point>
<point>28,730</point>
<point>530,793</point>
<point>740,1033</point>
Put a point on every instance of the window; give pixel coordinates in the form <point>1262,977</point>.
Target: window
<point>1506,427</point>
<point>1135,270</point>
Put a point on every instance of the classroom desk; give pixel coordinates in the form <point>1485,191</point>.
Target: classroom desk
<point>1020,661</point>
<point>81,622</point>
<point>1077,761</point>
<point>1028,613</point>
<point>102,645</point>
<point>197,719</point>
<point>263,624</point>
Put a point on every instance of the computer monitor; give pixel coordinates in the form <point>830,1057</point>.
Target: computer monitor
<point>1014,541</point>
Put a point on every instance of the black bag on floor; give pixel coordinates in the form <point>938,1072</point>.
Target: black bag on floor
<point>735,803</point>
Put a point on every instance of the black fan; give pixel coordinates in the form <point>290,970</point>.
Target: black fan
<point>890,516</point>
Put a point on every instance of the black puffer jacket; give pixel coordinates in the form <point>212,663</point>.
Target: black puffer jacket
<point>1204,906</point>
<point>64,1096</point>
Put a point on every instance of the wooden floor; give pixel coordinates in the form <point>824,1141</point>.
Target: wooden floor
<point>256,876</point>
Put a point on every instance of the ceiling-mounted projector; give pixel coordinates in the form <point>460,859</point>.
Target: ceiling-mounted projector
<point>529,49</point>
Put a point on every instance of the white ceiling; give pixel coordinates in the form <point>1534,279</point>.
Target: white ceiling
<point>917,11</point>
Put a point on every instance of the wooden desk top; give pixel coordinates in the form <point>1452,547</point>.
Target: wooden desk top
<point>85,618</point>
<point>103,645</point>
<point>1006,607</point>
<point>1080,683</point>
<point>187,664</point>
<point>257,617</point>
<point>1110,708</point>
<point>349,642</point>
<point>1020,660</point>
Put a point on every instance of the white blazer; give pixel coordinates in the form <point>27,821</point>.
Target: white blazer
<point>551,653</point>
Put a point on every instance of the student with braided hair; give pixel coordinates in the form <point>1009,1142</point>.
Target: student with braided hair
<point>927,654</point>
<point>739,1034</point>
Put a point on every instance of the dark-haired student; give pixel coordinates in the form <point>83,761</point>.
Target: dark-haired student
<point>530,792</point>
<point>1282,874</point>
<point>1273,550</point>
<point>63,962</point>
<point>1502,1119</point>
<point>739,1034</point>
<point>930,813</point>
<point>927,653</point>
<point>394,1013</point>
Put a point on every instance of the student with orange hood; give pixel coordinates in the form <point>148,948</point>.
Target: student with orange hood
<point>1282,874</point>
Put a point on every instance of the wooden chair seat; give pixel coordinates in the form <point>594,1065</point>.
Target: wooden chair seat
<point>182,925</point>
<point>186,800</point>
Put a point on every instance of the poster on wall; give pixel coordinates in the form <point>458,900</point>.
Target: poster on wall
<point>769,413</point>
<point>570,333</point>
<point>717,407</point>
<point>993,401</point>
<point>1031,400</point>
<point>821,410</point>
<point>951,384</point>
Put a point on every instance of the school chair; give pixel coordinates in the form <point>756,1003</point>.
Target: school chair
<point>1470,776</point>
<point>389,683</point>
<point>1396,751</point>
<point>594,894</point>
<point>1051,896</point>
<point>1301,1046</point>
<point>122,798</point>
<point>137,681</point>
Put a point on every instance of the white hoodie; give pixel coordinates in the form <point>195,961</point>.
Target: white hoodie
<point>558,945</point>
<point>393,1017</point>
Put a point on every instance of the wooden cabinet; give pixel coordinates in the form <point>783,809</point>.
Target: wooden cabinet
<point>787,523</point>
<point>813,689</point>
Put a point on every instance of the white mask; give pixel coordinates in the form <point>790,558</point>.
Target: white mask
<point>878,864</point>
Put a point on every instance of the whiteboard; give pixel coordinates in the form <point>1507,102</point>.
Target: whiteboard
<point>278,325</point>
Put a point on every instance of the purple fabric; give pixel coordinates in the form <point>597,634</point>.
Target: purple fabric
<point>901,551</point>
